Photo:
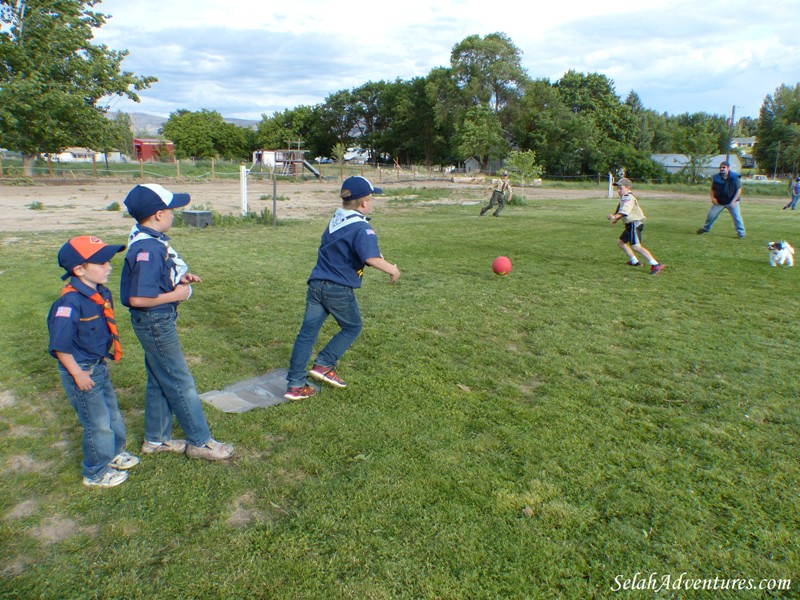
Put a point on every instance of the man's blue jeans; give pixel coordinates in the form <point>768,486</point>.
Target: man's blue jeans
<point>322,299</point>
<point>715,211</point>
<point>98,412</point>
<point>170,387</point>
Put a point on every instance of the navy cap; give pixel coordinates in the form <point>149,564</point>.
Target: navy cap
<point>85,249</point>
<point>147,199</point>
<point>357,187</point>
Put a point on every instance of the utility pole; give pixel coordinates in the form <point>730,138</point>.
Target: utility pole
<point>730,135</point>
<point>777,154</point>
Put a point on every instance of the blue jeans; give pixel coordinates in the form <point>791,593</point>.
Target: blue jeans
<point>98,412</point>
<point>170,387</point>
<point>793,203</point>
<point>715,211</point>
<point>322,299</point>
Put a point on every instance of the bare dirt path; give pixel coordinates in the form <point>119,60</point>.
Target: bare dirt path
<point>82,205</point>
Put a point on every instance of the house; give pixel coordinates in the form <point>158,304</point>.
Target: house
<point>677,163</point>
<point>743,142</point>
<point>472,165</point>
<point>151,150</point>
<point>73,155</point>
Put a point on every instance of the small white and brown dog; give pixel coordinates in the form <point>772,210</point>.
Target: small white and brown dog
<point>780,253</point>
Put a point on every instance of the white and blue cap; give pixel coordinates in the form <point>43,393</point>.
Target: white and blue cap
<point>146,199</point>
<point>357,187</point>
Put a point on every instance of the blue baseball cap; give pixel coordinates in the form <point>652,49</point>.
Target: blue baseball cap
<point>147,199</point>
<point>357,187</point>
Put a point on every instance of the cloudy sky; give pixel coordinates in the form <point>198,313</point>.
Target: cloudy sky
<point>247,59</point>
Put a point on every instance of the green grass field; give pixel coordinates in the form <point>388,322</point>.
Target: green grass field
<point>549,434</point>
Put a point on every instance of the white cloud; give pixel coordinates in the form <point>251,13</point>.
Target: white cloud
<point>245,59</point>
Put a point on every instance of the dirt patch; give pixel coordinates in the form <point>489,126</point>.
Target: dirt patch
<point>7,398</point>
<point>56,529</point>
<point>22,463</point>
<point>65,205</point>
<point>21,510</point>
<point>243,512</point>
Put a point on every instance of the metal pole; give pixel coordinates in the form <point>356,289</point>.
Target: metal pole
<point>243,187</point>
<point>730,136</point>
<point>274,197</point>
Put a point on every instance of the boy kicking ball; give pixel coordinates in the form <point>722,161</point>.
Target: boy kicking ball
<point>631,239</point>
<point>348,245</point>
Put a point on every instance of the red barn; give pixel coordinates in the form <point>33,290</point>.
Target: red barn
<point>153,150</point>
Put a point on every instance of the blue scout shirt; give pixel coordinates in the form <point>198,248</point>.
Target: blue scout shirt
<point>725,189</point>
<point>346,245</point>
<point>77,325</point>
<point>151,267</point>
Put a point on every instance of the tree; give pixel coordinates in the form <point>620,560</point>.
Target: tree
<point>119,134</point>
<point>52,76</point>
<point>488,70</point>
<point>524,164</point>
<point>193,133</point>
<point>699,142</point>
<point>482,136</point>
<point>778,133</point>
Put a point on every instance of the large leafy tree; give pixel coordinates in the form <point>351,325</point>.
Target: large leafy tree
<point>481,135</point>
<point>205,134</point>
<point>488,70</point>
<point>698,138</point>
<point>52,76</point>
<point>778,133</point>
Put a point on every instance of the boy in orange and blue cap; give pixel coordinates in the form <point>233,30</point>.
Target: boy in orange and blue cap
<point>83,334</point>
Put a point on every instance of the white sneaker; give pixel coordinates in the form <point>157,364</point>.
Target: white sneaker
<point>111,478</point>
<point>124,461</point>
<point>177,446</point>
<point>213,450</point>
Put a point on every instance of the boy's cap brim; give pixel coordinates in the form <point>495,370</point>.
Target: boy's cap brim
<point>357,187</point>
<point>86,249</point>
<point>147,199</point>
<point>624,182</point>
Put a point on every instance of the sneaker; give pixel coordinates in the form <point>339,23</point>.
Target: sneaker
<point>124,461</point>
<point>656,269</point>
<point>213,450</point>
<point>701,231</point>
<point>636,264</point>
<point>328,375</point>
<point>177,446</point>
<point>299,393</point>
<point>111,478</point>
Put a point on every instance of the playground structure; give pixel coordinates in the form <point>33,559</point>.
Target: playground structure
<point>283,162</point>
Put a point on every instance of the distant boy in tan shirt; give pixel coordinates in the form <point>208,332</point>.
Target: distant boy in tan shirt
<point>631,239</point>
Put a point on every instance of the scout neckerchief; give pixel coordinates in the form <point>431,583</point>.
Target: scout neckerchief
<point>179,269</point>
<point>343,218</point>
<point>108,313</point>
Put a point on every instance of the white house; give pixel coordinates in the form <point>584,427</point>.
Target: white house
<point>74,154</point>
<point>675,163</point>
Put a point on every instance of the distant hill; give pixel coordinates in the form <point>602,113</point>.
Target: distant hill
<point>144,123</point>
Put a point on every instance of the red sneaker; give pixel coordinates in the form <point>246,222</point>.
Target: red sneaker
<point>656,269</point>
<point>328,375</point>
<point>299,393</point>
